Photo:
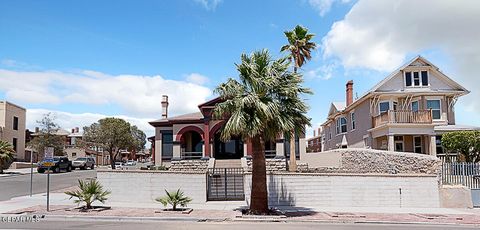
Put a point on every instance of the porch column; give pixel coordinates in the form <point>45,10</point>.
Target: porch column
<point>157,154</point>
<point>249,147</point>
<point>391,143</point>
<point>279,148</point>
<point>176,151</point>
<point>206,139</point>
<point>433,146</point>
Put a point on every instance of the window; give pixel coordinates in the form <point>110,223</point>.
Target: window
<point>416,78</point>
<point>434,105</point>
<point>329,133</point>
<point>417,144</point>
<point>167,145</point>
<point>14,143</point>
<point>74,154</point>
<point>438,144</point>
<point>415,106</point>
<point>341,125</point>
<point>15,123</point>
<point>384,106</point>
<point>352,118</point>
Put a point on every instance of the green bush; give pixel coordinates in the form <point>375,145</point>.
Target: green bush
<point>174,198</point>
<point>6,155</point>
<point>89,192</point>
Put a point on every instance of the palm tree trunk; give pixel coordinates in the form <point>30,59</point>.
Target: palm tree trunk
<point>259,197</point>
<point>293,158</point>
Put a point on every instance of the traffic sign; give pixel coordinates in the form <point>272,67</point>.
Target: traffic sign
<point>48,157</point>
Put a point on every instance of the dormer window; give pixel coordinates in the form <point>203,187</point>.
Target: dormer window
<point>416,78</point>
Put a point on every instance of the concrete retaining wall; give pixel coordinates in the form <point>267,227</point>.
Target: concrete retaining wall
<point>326,190</point>
<point>145,186</point>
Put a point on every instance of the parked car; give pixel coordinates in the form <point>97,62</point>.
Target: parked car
<point>60,163</point>
<point>83,163</point>
<point>118,165</point>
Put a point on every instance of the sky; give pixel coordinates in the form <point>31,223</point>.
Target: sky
<point>85,60</point>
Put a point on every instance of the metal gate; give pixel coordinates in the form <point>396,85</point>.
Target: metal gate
<point>466,174</point>
<point>225,184</point>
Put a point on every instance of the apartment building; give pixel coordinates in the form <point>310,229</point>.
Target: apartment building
<point>12,127</point>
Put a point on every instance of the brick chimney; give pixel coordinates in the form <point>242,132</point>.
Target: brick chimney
<point>164,106</point>
<point>349,93</point>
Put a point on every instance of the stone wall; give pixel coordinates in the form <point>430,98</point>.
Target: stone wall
<point>273,165</point>
<point>376,161</point>
<point>316,190</point>
<point>189,165</point>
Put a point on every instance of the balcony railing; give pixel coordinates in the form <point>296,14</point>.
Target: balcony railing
<point>191,155</point>
<point>403,117</point>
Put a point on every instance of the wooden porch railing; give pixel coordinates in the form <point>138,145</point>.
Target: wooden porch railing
<point>403,116</point>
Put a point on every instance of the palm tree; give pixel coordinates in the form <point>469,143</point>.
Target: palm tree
<point>254,108</point>
<point>300,47</point>
<point>174,198</point>
<point>90,191</point>
<point>6,155</point>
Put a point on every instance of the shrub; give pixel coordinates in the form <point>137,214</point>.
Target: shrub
<point>89,192</point>
<point>174,198</point>
<point>6,155</point>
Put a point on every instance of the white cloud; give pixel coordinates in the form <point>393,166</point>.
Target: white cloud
<point>68,120</point>
<point>323,72</point>
<point>379,35</point>
<point>324,6</point>
<point>210,5</point>
<point>197,78</point>
<point>138,96</point>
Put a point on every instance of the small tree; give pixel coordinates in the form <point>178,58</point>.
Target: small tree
<point>6,155</point>
<point>47,136</point>
<point>465,143</point>
<point>90,191</point>
<point>114,134</point>
<point>174,199</point>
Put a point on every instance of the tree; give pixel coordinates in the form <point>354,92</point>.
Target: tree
<point>465,143</point>
<point>300,47</point>
<point>89,192</point>
<point>114,134</point>
<point>254,109</point>
<point>48,136</point>
<point>7,154</point>
<point>174,198</point>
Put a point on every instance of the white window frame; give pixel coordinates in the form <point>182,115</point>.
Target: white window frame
<point>352,121</point>
<point>418,105</point>
<point>440,105</point>
<point>389,106</point>
<point>420,83</point>
<point>338,125</point>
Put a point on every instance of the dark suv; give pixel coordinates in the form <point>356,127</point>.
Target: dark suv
<point>61,163</point>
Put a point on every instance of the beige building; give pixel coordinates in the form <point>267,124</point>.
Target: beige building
<point>407,111</point>
<point>12,127</point>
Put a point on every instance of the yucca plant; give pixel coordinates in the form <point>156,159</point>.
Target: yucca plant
<point>6,155</point>
<point>89,192</point>
<point>174,198</point>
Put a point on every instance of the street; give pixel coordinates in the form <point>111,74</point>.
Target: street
<point>100,225</point>
<point>19,185</point>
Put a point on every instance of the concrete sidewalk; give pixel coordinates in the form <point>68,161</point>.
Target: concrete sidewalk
<point>63,199</point>
<point>14,172</point>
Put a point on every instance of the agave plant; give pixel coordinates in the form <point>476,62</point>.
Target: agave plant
<point>90,191</point>
<point>174,198</point>
<point>6,155</point>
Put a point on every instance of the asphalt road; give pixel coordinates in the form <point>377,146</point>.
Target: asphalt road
<point>19,185</point>
<point>146,225</point>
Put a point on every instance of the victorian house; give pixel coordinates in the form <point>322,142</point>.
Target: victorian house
<point>407,111</point>
<point>197,136</point>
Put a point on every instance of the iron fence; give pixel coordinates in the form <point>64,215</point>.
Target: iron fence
<point>461,173</point>
<point>225,184</point>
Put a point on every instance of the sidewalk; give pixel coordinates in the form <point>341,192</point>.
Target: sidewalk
<point>14,172</point>
<point>63,208</point>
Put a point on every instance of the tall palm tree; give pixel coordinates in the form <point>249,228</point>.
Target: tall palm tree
<point>6,155</point>
<point>300,47</point>
<point>254,108</point>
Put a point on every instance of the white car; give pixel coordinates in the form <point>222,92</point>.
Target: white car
<point>131,163</point>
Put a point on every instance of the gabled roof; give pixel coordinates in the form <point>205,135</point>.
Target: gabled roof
<point>336,107</point>
<point>188,116</point>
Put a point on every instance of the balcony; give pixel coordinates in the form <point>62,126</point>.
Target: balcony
<point>403,117</point>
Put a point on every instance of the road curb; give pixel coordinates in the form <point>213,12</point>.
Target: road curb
<point>200,219</point>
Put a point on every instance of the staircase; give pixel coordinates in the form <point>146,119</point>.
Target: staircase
<point>234,163</point>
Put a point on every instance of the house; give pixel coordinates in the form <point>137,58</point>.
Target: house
<point>407,111</point>
<point>12,128</point>
<point>197,136</point>
<point>314,143</point>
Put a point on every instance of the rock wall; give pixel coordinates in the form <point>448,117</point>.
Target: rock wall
<point>189,166</point>
<point>273,165</point>
<point>378,161</point>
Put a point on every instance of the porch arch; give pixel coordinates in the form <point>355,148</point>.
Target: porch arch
<point>187,129</point>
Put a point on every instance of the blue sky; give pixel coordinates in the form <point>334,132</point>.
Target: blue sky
<point>87,59</point>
